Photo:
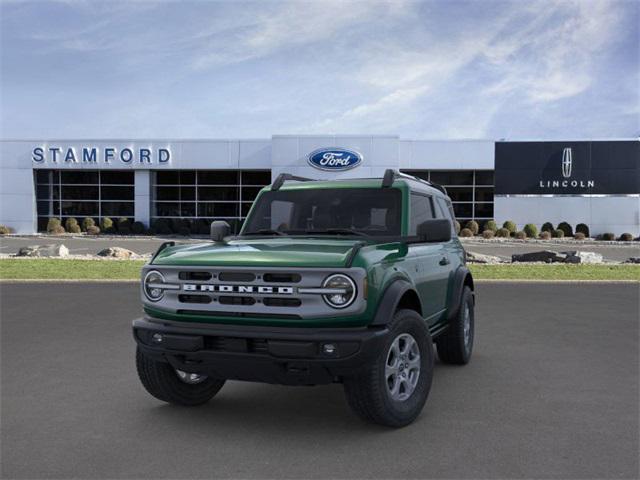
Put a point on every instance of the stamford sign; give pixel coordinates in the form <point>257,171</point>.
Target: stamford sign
<point>334,159</point>
<point>94,155</point>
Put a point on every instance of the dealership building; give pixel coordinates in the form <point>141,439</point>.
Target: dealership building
<point>596,182</point>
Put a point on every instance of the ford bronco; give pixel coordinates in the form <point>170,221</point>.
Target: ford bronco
<point>346,281</point>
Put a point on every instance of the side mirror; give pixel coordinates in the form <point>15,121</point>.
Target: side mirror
<point>437,230</point>
<point>219,230</point>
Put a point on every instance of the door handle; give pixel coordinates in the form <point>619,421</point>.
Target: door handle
<point>444,261</point>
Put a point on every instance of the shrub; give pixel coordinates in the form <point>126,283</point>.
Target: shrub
<point>138,228</point>
<point>583,228</point>
<point>52,224</point>
<point>161,227</point>
<point>457,226</point>
<point>4,230</point>
<point>521,235</point>
<point>93,230</point>
<point>545,235</point>
<point>124,226</point>
<point>466,232</point>
<point>608,236</point>
<point>57,230</point>
<point>88,222</point>
<point>509,225</point>
<point>579,236</point>
<point>74,229</point>
<point>488,234</point>
<point>70,222</point>
<point>566,228</point>
<point>503,233</point>
<point>491,225</point>
<point>547,227</point>
<point>531,230</point>
<point>557,233</point>
<point>106,225</point>
<point>626,237</point>
<point>473,226</point>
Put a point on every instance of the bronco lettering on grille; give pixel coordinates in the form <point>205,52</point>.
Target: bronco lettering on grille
<point>262,289</point>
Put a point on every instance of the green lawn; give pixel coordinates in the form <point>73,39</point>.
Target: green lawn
<point>61,269</point>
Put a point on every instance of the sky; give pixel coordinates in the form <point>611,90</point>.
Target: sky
<point>420,70</point>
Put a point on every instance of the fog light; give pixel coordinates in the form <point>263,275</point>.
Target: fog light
<point>329,348</point>
<point>157,338</point>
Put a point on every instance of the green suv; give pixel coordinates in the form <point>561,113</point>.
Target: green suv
<point>344,281</point>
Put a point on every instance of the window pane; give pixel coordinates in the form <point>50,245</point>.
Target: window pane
<point>484,210</point>
<point>188,209</point>
<point>484,177</point>
<point>167,209</point>
<point>462,194</point>
<point>42,176</point>
<point>117,193</point>
<point>218,193</point>
<point>225,210</point>
<point>452,177</point>
<point>42,224</point>
<point>42,191</point>
<point>218,177</point>
<point>245,208</point>
<point>79,209</point>
<point>187,177</point>
<point>168,178</point>
<point>250,193</point>
<point>168,193</point>
<point>258,177</point>
<point>463,210</point>
<point>80,193</point>
<point>79,177</point>
<point>187,193</point>
<point>43,208</point>
<point>484,194</point>
<point>421,210</point>
<point>117,209</point>
<point>115,178</point>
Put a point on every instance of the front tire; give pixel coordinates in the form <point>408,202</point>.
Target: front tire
<point>456,343</point>
<point>393,390</point>
<point>172,386</point>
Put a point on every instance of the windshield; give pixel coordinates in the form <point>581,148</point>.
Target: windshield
<point>333,211</point>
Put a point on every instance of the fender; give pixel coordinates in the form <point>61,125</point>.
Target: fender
<point>457,285</point>
<point>389,301</point>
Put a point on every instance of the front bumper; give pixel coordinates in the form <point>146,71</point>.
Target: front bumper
<point>283,355</point>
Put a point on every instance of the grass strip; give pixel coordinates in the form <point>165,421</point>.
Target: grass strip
<point>61,269</point>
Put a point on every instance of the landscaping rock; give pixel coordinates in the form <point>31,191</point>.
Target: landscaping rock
<point>53,250</point>
<point>632,260</point>
<point>473,257</point>
<point>545,256</point>
<point>116,252</point>
<point>583,257</point>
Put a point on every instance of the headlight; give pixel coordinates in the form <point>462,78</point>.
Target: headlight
<point>345,291</point>
<point>152,285</point>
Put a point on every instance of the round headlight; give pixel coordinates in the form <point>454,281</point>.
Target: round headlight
<point>150,288</point>
<point>345,291</point>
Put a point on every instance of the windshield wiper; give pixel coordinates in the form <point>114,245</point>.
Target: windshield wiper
<point>337,231</point>
<point>265,231</point>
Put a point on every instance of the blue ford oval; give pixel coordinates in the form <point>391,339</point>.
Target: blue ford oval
<point>334,159</point>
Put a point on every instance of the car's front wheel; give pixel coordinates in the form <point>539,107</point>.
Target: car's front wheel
<point>394,388</point>
<point>175,386</point>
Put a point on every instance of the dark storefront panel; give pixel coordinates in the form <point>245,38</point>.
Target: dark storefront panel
<point>568,168</point>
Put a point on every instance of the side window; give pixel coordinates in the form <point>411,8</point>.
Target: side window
<point>421,210</point>
<point>446,210</point>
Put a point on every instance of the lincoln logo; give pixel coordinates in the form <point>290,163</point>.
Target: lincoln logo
<point>262,289</point>
<point>567,160</point>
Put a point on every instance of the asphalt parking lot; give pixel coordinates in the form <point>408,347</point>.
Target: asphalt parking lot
<point>552,392</point>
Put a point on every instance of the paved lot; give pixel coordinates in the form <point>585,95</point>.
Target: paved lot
<point>552,392</point>
<point>141,245</point>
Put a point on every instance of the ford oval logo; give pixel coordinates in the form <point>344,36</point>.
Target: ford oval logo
<point>334,159</point>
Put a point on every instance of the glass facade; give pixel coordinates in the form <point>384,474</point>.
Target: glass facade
<point>471,191</point>
<point>83,193</point>
<point>206,194</point>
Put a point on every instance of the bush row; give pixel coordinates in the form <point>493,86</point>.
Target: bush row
<point>123,226</point>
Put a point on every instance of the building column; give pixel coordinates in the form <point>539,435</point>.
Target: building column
<point>142,206</point>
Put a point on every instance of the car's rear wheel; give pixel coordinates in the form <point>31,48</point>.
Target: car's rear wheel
<point>175,386</point>
<point>456,343</point>
<point>393,390</point>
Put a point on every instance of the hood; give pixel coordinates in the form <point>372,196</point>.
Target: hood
<point>272,252</point>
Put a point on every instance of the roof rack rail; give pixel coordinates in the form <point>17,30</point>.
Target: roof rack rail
<point>390,175</point>
<point>283,177</point>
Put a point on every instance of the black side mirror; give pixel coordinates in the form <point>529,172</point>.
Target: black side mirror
<point>437,230</point>
<point>219,230</point>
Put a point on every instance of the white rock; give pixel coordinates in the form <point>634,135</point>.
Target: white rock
<point>53,250</point>
<point>116,252</point>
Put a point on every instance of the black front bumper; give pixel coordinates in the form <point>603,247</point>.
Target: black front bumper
<point>289,356</point>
